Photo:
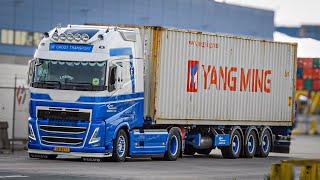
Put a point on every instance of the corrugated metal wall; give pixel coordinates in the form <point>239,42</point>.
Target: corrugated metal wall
<point>267,68</point>
<point>203,15</point>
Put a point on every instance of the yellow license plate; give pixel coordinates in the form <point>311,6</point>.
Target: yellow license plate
<point>61,149</point>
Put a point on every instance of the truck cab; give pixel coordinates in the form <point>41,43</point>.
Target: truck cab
<point>86,84</point>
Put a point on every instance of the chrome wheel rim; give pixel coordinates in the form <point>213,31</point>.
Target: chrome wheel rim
<point>121,146</point>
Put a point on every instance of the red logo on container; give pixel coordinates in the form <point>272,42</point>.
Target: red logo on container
<point>192,79</point>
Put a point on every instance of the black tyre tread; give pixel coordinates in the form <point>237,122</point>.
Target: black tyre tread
<point>167,155</point>
<point>260,152</point>
<point>115,156</point>
<point>246,154</point>
<point>227,151</point>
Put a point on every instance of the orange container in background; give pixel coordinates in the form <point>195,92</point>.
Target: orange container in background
<point>299,84</point>
<point>307,73</point>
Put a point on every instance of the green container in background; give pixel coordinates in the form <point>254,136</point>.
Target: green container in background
<point>316,63</point>
<point>307,84</point>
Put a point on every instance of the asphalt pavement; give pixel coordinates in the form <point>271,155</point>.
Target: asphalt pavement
<point>20,166</point>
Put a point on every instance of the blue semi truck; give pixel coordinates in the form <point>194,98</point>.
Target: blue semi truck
<point>100,92</point>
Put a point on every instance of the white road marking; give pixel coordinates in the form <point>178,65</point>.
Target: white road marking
<point>13,176</point>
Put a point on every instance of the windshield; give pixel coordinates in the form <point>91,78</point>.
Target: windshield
<point>73,75</point>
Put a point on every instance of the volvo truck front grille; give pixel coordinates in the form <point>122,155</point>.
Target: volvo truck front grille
<point>63,114</point>
<point>63,129</point>
<point>61,140</point>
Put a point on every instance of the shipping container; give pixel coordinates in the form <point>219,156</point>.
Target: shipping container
<point>316,73</point>
<point>300,63</point>
<point>202,78</point>
<point>307,84</point>
<point>299,73</point>
<point>299,84</point>
<point>316,85</point>
<point>316,62</point>
<point>307,63</point>
<point>307,73</point>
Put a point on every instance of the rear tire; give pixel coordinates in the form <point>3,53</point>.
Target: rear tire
<point>265,144</point>
<point>233,151</point>
<point>250,144</point>
<point>120,146</point>
<point>174,145</point>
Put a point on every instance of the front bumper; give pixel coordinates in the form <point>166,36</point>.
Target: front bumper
<point>76,154</point>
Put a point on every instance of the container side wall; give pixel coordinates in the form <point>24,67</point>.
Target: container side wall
<point>212,78</point>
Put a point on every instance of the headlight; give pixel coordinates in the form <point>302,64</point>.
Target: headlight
<point>85,37</point>
<point>31,133</point>
<point>55,36</point>
<point>94,138</point>
<point>63,37</point>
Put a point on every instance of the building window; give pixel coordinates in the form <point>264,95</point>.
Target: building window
<point>7,36</point>
<point>36,38</point>
<point>20,38</point>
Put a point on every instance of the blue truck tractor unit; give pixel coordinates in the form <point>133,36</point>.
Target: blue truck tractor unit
<point>100,92</point>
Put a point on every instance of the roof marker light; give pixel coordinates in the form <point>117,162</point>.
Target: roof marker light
<point>55,36</point>
<point>77,37</point>
<point>70,37</point>
<point>62,37</point>
<point>84,37</point>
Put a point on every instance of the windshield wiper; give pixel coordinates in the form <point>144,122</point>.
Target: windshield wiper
<point>81,85</point>
<point>50,83</point>
<point>85,85</point>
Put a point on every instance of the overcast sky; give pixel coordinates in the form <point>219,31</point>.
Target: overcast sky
<point>287,12</point>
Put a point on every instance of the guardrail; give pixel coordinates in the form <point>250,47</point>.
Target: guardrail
<point>310,170</point>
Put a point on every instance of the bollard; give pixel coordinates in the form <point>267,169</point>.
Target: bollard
<point>313,127</point>
<point>310,170</point>
<point>4,140</point>
<point>275,172</point>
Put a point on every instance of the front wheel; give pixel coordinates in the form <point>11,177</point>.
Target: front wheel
<point>120,146</point>
<point>174,145</point>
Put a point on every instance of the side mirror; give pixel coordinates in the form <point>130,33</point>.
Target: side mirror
<point>31,65</point>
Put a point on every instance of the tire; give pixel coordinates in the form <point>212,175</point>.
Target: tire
<point>250,144</point>
<point>204,151</point>
<point>265,144</point>
<point>189,150</point>
<point>120,146</point>
<point>233,151</point>
<point>42,156</point>
<point>174,145</point>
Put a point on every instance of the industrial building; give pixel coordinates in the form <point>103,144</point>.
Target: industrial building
<point>23,21</point>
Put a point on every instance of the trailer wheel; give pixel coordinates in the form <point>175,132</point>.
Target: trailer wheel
<point>174,145</point>
<point>233,151</point>
<point>265,144</point>
<point>250,145</point>
<point>120,146</point>
<point>189,150</point>
<point>43,156</point>
<point>204,151</point>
